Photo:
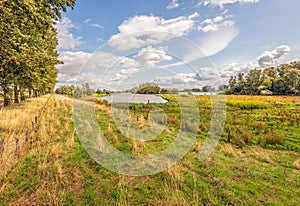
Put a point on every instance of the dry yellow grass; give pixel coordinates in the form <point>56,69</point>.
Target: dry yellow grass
<point>14,122</point>
<point>296,164</point>
<point>52,144</point>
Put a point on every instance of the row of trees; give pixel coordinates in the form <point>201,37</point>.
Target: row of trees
<point>204,89</point>
<point>151,88</point>
<point>75,91</point>
<point>280,80</point>
<point>28,44</point>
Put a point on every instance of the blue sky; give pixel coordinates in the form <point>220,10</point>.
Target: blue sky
<point>175,43</point>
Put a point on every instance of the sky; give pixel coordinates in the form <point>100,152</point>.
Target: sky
<point>180,44</point>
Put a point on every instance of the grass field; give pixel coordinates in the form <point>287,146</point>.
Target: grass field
<point>257,161</point>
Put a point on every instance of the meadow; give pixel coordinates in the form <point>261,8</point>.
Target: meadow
<point>256,162</point>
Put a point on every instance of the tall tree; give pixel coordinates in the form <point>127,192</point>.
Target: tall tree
<point>28,44</point>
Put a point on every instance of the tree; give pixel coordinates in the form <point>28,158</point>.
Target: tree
<point>28,46</point>
<point>147,88</point>
<point>86,90</point>
<point>208,89</point>
<point>196,90</point>
<point>281,80</point>
<point>66,90</point>
<point>254,80</point>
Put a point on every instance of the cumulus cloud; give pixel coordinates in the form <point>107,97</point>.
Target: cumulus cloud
<point>269,58</point>
<point>181,78</point>
<point>221,3</point>
<point>204,76</point>
<point>150,56</point>
<point>235,68</point>
<point>216,23</point>
<point>173,4</point>
<point>139,31</point>
<point>66,40</point>
<point>84,62</point>
<point>124,74</point>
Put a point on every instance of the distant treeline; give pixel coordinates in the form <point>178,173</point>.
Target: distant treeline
<point>76,91</point>
<point>86,90</point>
<point>151,88</point>
<point>280,80</point>
<point>28,44</point>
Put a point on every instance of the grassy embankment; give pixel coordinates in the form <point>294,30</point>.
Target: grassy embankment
<point>256,162</point>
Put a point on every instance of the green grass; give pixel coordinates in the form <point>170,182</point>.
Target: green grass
<point>243,171</point>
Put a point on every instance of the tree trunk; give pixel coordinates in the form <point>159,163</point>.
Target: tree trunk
<point>29,92</point>
<point>22,96</point>
<point>16,94</point>
<point>6,98</point>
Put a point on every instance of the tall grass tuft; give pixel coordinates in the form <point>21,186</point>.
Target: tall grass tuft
<point>274,139</point>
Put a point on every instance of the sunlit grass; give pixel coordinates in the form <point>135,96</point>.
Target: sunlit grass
<point>56,170</point>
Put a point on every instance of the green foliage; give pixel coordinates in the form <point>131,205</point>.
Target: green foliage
<point>281,80</point>
<point>146,88</point>
<point>169,91</point>
<point>196,90</point>
<point>208,89</point>
<point>104,91</point>
<point>66,90</point>
<point>151,88</point>
<point>28,46</point>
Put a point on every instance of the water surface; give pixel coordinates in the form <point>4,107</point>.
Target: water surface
<point>133,98</point>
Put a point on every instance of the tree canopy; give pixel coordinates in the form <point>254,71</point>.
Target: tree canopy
<point>281,80</point>
<point>28,46</point>
<point>151,88</point>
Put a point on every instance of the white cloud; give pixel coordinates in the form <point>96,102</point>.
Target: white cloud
<point>139,31</point>
<point>234,69</point>
<point>207,45</point>
<point>204,76</point>
<point>87,21</point>
<point>124,74</point>
<point>66,39</point>
<point>91,62</point>
<point>269,58</point>
<point>215,42</point>
<point>216,23</point>
<point>150,56</point>
<point>221,3</point>
<point>173,4</point>
<point>97,26</point>
<point>178,79</point>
